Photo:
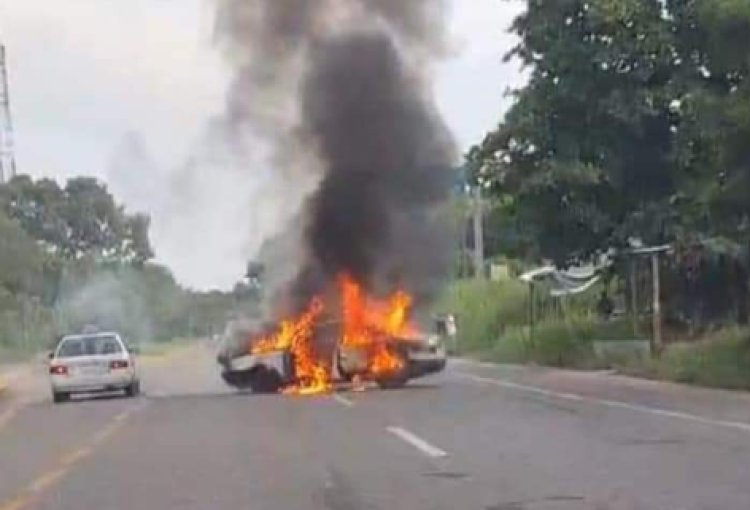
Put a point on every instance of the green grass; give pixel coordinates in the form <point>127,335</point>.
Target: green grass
<point>613,330</point>
<point>493,326</point>
<point>560,343</point>
<point>484,310</point>
<point>720,360</point>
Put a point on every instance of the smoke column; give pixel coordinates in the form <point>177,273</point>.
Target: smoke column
<point>340,91</point>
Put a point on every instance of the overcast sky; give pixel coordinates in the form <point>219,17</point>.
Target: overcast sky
<point>91,78</point>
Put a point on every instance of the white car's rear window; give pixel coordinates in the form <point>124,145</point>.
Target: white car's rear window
<point>89,346</point>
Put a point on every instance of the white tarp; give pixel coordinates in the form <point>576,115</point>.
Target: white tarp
<point>563,283</point>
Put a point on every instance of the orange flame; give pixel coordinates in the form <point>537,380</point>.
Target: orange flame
<point>370,325</point>
<point>296,337</point>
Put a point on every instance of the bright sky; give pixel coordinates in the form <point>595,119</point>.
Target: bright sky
<point>89,76</point>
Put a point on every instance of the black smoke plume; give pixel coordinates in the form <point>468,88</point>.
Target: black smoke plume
<point>341,89</point>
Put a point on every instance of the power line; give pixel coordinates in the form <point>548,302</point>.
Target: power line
<point>7,154</point>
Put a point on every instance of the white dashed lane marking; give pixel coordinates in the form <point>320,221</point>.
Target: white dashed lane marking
<point>417,442</point>
<point>343,400</point>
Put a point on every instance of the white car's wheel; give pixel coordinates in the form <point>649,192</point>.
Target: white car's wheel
<point>133,389</point>
<point>58,397</point>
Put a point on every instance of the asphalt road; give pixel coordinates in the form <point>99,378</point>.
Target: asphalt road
<point>474,437</point>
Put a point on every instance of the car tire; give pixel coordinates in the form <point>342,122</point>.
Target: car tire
<point>59,397</point>
<point>133,389</point>
<point>392,383</point>
<point>396,380</point>
<point>265,380</point>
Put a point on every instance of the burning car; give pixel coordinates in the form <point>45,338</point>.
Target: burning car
<point>368,340</point>
<point>269,372</point>
<point>416,357</point>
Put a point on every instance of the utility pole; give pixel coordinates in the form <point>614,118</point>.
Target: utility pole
<point>477,214</point>
<point>656,344</point>
<point>7,156</point>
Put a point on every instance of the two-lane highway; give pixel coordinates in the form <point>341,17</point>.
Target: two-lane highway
<point>475,437</point>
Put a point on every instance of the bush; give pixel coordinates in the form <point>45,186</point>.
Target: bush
<point>484,310</point>
<point>554,343</point>
<point>493,324</point>
<point>720,360</point>
<point>25,327</point>
<point>563,343</point>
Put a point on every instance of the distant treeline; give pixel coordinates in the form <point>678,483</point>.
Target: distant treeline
<point>70,256</point>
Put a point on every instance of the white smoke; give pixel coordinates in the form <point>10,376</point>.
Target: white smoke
<point>110,303</point>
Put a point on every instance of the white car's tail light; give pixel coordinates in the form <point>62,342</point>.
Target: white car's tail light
<point>58,370</point>
<point>118,364</point>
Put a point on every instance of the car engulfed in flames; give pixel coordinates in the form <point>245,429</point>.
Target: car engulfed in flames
<point>368,339</point>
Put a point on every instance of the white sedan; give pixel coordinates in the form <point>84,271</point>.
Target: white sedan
<point>92,363</point>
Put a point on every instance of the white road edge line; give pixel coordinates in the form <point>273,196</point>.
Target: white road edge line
<point>736,425</point>
<point>417,442</point>
<point>343,400</point>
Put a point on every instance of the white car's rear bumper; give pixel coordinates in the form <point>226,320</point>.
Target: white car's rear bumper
<point>105,382</point>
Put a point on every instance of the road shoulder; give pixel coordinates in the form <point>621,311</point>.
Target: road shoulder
<point>725,405</point>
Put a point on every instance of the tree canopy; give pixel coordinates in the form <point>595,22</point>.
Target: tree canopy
<point>633,125</point>
<point>77,220</point>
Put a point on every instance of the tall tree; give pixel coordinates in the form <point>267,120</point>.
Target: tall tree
<point>80,220</point>
<point>38,207</point>
<point>20,259</point>
<point>631,126</point>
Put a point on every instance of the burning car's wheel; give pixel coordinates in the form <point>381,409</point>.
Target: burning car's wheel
<point>265,380</point>
<point>258,380</point>
<point>398,378</point>
<point>392,383</point>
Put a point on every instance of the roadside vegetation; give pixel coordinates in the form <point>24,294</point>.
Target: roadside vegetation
<point>631,131</point>
<point>493,325</point>
<point>70,256</point>
<point>720,359</point>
